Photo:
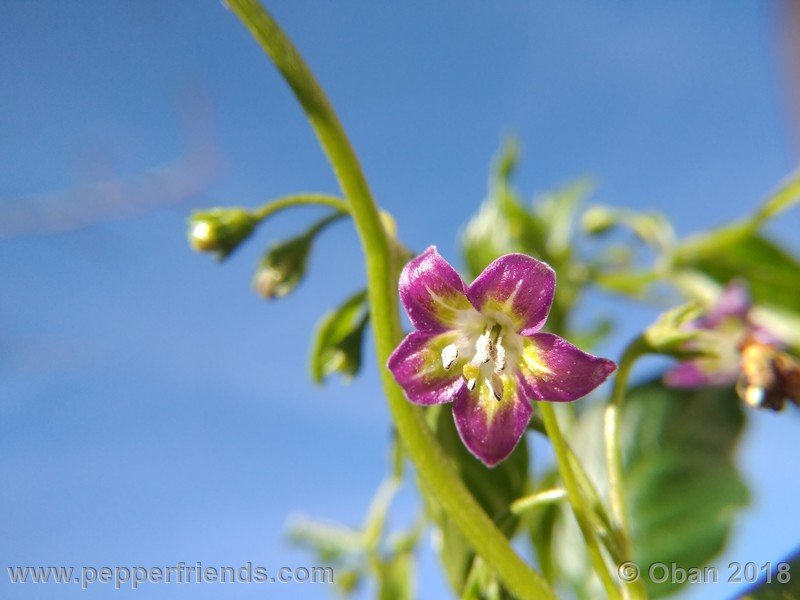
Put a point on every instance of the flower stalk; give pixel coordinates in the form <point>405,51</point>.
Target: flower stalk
<point>428,457</point>
<point>270,208</point>
<point>576,499</point>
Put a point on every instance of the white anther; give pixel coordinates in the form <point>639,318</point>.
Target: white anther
<point>500,356</point>
<point>471,384</point>
<point>484,349</point>
<point>495,385</point>
<point>449,355</point>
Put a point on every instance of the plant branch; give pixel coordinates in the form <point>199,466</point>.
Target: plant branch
<point>274,206</point>
<point>431,462</point>
<point>579,507</point>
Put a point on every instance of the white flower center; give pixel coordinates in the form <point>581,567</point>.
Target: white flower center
<point>488,360</point>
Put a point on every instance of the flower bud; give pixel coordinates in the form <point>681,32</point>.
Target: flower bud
<point>673,333</point>
<point>282,267</point>
<point>220,230</point>
<point>597,220</point>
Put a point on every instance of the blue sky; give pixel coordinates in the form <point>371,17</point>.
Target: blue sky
<point>153,409</point>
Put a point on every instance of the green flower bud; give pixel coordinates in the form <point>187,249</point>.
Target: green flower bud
<point>282,267</point>
<point>673,335</point>
<point>220,230</point>
<point>597,220</point>
<point>285,263</point>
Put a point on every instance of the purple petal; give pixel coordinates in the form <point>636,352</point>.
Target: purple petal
<point>491,428</point>
<point>553,369</point>
<point>695,374</point>
<point>515,290</point>
<point>686,375</point>
<point>733,303</point>
<point>432,292</point>
<point>417,366</point>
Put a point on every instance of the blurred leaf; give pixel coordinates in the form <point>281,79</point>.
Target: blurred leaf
<point>376,516</point>
<point>651,227</point>
<point>626,282</point>
<point>683,487</point>
<point>347,581</point>
<point>285,263</point>
<point>330,542</point>
<point>339,338</point>
<point>779,588</point>
<point>556,211</point>
<point>486,237</point>
<point>494,489</point>
<point>396,578</point>
<point>772,273</point>
<point>482,584</point>
<point>786,196</point>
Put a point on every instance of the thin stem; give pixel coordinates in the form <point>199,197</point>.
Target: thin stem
<point>614,462</point>
<point>576,499</point>
<point>428,457</point>
<point>614,458</point>
<point>541,498</point>
<point>270,208</point>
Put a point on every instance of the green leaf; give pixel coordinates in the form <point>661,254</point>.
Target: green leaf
<point>786,196</point>
<point>330,542</point>
<point>556,211</point>
<point>338,340</point>
<point>683,488</point>
<point>494,489</point>
<point>396,578</point>
<point>772,273</point>
<point>486,237</point>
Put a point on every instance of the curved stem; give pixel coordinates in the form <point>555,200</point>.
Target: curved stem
<point>576,499</point>
<point>428,457</point>
<point>270,208</point>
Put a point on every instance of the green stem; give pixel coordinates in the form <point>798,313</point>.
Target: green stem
<point>576,499</point>
<point>431,462</point>
<point>614,459</point>
<point>537,499</point>
<point>270,208</point>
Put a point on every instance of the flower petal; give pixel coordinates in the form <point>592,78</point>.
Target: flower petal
<point>417,366</point>
<point>433,293</point>
<point>733,303</point>
<point>553,369</point>
<point>698,374</point>
<point>491,428</point>
<point>515,290</point>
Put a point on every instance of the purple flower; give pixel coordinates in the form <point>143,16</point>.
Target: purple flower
<point>726,326</point>
<point>479,346</point>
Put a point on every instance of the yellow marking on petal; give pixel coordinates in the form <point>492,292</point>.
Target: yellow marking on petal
<point>532,361</point>
<point>450,306</point>
<point>489,402</point>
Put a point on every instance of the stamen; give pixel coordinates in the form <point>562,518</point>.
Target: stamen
<point>500,355</point>
<point>449,355</point>
<point>484,349</point>
<point>495,384</point>
<point>471,384</point>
